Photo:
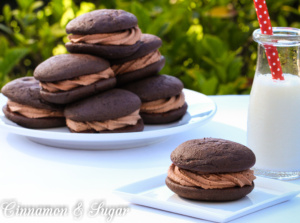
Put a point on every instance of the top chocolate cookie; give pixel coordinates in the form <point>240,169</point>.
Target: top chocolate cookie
<point>211,155</point>
<point>102,21</point>
<point>108,105</point>
<point>156,87</point>
<point>67,66</point>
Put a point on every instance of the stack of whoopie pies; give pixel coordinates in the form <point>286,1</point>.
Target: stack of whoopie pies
<point>108,83</point>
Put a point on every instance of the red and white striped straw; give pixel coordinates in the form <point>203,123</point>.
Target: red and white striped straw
<point>266,28</point>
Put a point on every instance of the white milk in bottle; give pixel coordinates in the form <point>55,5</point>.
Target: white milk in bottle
<point>274,122</point>
<point>273,128</point>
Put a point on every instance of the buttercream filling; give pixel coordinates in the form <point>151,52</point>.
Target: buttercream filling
<point>210,181</point>
<point>131,119</point>
<point>126,37</point>
<point>83,80</point>
<point>31,112</point>
<point>137,64</point>
<point>163,105</point>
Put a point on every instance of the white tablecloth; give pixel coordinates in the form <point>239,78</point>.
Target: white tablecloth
<point>33,174</point>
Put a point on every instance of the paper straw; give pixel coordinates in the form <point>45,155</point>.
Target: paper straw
<point>266,28</point>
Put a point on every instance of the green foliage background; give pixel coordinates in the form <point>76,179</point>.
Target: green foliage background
<point>207,43</point>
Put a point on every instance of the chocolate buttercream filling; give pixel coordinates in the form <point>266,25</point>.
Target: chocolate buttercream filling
<point>163,105</point>
<point>131,119</point>
<point>137,64</point>
<point>126,37</point>
<point>83,80</point>
<point>31,112</point>
<point>210,181</point>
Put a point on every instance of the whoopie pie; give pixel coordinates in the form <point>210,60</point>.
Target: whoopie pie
<point>108,33</point>
<point>211,169</point>
<point>111,111</point>
<point>27,108</point>
<point>162,98</point>
<point>67,78</point>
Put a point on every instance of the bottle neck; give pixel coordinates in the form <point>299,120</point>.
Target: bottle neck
<point>289,57</point>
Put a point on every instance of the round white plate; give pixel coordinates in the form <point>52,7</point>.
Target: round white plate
<point>200,110</point>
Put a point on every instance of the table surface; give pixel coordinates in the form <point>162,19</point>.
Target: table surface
<point>33,174</point>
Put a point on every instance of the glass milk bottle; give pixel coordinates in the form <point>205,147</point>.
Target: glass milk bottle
<point>274,109</point>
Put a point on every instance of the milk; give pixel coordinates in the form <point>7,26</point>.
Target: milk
<point>274,122</point>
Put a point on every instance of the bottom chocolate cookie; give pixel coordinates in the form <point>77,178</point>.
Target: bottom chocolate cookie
<point>166,117</point>
<point>130,128</point>
<point>76,94</point>
<point>197,193</point>
<point>150,70</point>
<point>34,123</point>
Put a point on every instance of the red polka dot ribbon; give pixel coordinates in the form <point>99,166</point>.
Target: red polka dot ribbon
<point>266,28</point>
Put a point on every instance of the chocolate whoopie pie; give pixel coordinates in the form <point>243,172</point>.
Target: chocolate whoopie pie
<point>146,61</point>
<point>162,98</point>
<point>66,78</point>
<point>26,107</point>
<point>108,33</point>
<point>211,169</point>
<point>115,110</point>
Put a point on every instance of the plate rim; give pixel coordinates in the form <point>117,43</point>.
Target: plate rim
<point>76,137</point>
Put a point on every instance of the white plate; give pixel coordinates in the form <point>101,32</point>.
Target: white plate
<point>200,110</point>
<point>155,194</point>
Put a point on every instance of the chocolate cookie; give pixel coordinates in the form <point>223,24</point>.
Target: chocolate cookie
<point>197,193</point>
<point>146,61</point>
<point>211,169</point>
<point>162,98</point>
<point>115,110</point>
<point>26,107</point>
<point>108,33</point>
<point>66,78</point>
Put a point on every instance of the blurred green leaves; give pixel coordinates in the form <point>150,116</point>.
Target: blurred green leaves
<point>9,58</point>
<point>206,43</point>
